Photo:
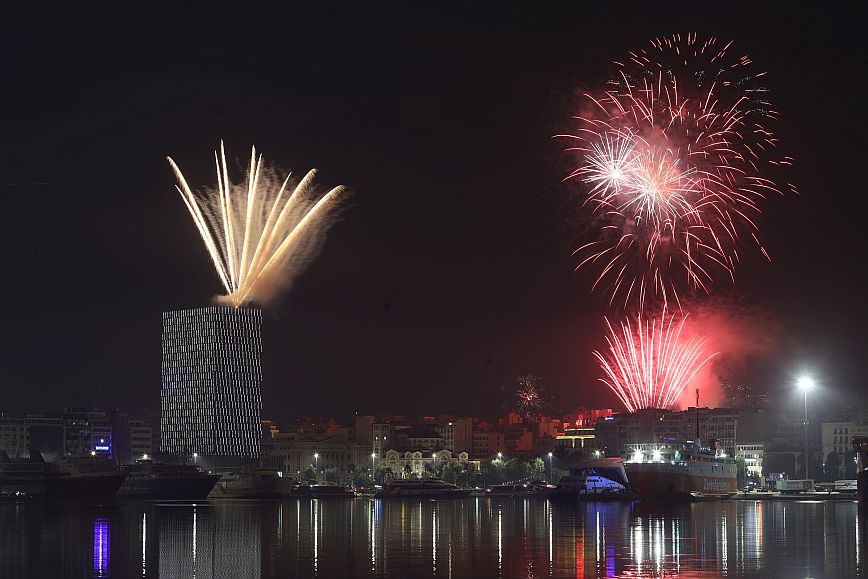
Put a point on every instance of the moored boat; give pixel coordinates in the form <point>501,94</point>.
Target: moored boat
<point>82,478</point>
<point>256,483</point>
<point>421,488</point>
<point>530,490</point>
<point>596,480</point>
<point>681,472</point>
<point>322,492</point>
<point>149,480</point>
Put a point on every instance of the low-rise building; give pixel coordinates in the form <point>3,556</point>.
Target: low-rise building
<point>14,436</point>
<point>753,458</point>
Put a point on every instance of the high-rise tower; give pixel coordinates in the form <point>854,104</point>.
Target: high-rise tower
<point>211,398</point>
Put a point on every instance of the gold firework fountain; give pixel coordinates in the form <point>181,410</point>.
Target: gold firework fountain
<point>258,232</point>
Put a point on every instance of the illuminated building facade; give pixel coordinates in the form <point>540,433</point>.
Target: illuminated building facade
<point>211,398</point>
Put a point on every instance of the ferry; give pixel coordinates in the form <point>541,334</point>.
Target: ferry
<point>321,492</point>
<point>421,488</point>
<point>74,478</point>
<point>85,477</point>
<point>680,471</point>
<point>149,480</point>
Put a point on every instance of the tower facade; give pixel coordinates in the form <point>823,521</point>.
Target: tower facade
<point>211,397</point>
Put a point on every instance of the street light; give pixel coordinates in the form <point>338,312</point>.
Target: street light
<point>806,383</point>
<point>373,456</point>
<point>550,467</point>
<point>434,456</point>
<point>499,456</point>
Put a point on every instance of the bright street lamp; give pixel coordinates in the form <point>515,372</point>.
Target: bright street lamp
<point>806,383</point>
<point>550,467</point>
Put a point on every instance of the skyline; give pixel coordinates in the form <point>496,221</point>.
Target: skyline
<point>449,274</point>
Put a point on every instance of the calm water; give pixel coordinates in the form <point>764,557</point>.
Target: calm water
<point>411,538</point>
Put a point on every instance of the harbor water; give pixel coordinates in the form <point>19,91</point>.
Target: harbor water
<point>473,537</point>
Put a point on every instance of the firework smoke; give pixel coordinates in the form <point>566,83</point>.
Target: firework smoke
<point>260,231</point>
<point>674,151</point>
<point>649,363</point>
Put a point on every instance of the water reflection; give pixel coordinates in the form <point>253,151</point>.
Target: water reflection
<point>101,547</point>
<point>475,537</point>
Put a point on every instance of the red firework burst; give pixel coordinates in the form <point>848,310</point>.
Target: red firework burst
<point>674,151</point>
<point>649,364</point>
<point>530,396</point>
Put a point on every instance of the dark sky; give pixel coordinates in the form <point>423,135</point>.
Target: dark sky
<point>450,272</point>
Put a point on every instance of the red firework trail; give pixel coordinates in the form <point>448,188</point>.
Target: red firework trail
<point>650,365</point>
<point>674,150</point>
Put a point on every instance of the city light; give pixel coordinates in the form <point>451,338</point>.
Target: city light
<point>806,383</point>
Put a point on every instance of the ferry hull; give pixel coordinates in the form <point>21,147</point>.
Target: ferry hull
<point>187,489</point>
<point>660,481</point>
<point>83,486</point>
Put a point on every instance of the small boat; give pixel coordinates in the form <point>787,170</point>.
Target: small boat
<point>256,483</point>
<point>596,480</point>
<point>149,480</point>
<point>321,492</point>
<point>421,488</point>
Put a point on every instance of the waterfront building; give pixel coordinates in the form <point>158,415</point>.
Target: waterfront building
<point>487,443</point>
<point>14,436</point>
<point>46,433</point>
<point>753,458</point>
<point>294,452</point>
<point>211,397</point>
<point>576,437</point>
<point>417,463</point>
<point>141,436</point>
<point>76,432</point>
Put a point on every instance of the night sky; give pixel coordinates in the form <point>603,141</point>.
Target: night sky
<point>450,271</point>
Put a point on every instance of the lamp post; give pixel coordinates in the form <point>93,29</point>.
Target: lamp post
<point>316,465</point>
<point>373,456</point>
<point>806,383</point>
<point>550,467</point>
<point>434,456</point>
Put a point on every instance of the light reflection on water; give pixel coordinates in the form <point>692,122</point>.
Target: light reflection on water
<point>459,538</point>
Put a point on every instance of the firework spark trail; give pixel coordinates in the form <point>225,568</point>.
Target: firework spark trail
<point>254,230</point>
<point>530,396</point>
<point>649,365</point>
<point>673,151</point>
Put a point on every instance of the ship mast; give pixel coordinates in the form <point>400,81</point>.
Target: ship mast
<point>696,438</point>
